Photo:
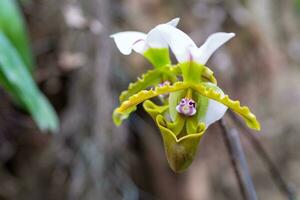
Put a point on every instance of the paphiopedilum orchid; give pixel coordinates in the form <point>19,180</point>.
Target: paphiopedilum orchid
<point>191,99</point>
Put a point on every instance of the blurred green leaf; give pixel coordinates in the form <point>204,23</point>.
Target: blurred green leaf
<point>25,1</point>
<point>297,6</point>
<point>12,25</point>
<point>18,82</point>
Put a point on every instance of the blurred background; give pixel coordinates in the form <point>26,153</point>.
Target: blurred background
<point>81,72</point>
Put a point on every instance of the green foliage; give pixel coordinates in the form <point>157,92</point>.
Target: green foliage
<point>25,1</point>
<point>297,5</point>
<point>19,83</point>
<point>16,65</point>
<point>12,25</point>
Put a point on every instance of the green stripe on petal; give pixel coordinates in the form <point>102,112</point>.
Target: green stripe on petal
<point>174,99</point>
<point>159,57</point>
<point>195,72</point>
<point>202,105</point>
<point>243,111</point>
<point>191,71</point>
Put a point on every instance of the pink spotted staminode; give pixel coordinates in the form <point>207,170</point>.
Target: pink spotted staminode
<point>187,107</point>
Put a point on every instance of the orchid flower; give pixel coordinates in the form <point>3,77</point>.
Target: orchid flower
<point>191,98</point>
<point>155,48</point>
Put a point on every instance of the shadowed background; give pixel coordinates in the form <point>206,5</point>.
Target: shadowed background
<point>82,72</point>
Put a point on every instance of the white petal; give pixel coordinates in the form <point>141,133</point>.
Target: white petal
<point>212,43</point>
<point>215,110</point>
<point>128,40</point>
<point>155,39</point>
<point>174,22</point>
<point>179,42</point>
<point>131,40</point>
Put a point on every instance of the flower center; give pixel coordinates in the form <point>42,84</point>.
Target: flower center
<point>187,107</point>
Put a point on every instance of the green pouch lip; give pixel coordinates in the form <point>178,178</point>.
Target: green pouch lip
<point>180,152</point>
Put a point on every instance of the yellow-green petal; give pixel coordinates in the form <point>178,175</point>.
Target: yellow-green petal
<point>148,94</point>
<point>174,99</point>
<point>151,78</point>
<point>119,117</point>
<point>208,75</point>
<point>243,111</point>
<point>153,110</point>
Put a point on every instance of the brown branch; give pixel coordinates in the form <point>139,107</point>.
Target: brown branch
<point>277,177</point>
<point>238,161</point>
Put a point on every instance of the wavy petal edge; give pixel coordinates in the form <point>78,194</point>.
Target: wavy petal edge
<point>235,106</point>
